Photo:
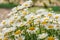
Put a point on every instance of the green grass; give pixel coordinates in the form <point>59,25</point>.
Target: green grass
<point>7,5</point>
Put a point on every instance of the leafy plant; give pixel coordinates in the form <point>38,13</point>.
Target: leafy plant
<point>7,5</point>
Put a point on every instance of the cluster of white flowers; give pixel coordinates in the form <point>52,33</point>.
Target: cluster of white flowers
<point>25,25</point>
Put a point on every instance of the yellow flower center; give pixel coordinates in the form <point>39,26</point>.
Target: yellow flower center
<point>43,31</point>
<point>15,17</point>
<point>6,34</point>
<point>38,16</point>
<point>1,34</point>
<point>46,19</point>
<point>32,17</point>
<point>20,38</point>
<point>11,22</point>
<point>56,17</point>
<point>0,38</point>
<point>22,25</point>
<point>50,26</point>
<point>5,38</point>
<point>19,20</point>
<point>26,5</point>
<point>44,22</point>
<point>38,21</point>
<point>32,28</point>
<point>49,14</point>
<point>24,12</point>
<point>4,22</point>
<point>18,32</point>
<point>51,38</point>
<point>29,22</point>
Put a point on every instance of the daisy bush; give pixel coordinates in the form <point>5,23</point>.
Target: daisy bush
<point>24,25</point>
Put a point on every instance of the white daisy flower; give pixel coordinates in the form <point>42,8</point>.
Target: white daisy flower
<point>27,4</point>
<point>14,9</point>
<point>20,7</point>
<point>42,36</point>
<point>32,30</point>
<point>49,26</point>
<point>52,38</point>
<point>28,17</point>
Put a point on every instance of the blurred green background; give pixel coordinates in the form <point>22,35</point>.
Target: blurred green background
<point>54,4</point>
<point>7,5</point>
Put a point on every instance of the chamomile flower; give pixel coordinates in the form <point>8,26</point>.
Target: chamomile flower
<point>3,22</point>
<point>29,16</point>
<point>7,30</point>
<point>49,26</point>
<point>5,38</point>
<point>57,27</point>
<point>24,12</point>
<point>50,14</point>
<point>37,21</point>
<point>11,22</point>
<point>14,9</point>
<point>20,38</point>
<point>38,16</point>
<point>27,4</point>
<point>18,32</point>
<point>20,7</point>
<point>52,38</point>
<point>32,30</point>
<point>42,36</point>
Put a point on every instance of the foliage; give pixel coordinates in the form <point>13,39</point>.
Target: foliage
<point>34,0</point>
<point>56,8</point>
<point>7,5</point>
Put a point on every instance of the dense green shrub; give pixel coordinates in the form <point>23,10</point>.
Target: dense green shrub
<point>56,8</point>
<point>7,5</point>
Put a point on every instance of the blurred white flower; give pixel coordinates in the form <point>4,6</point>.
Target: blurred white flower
<point>32,30</point>
<point>27,4</point>
<point>42,36</point>
<point>52,38</point>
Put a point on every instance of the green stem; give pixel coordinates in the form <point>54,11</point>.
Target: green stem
<point>39,27</point>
